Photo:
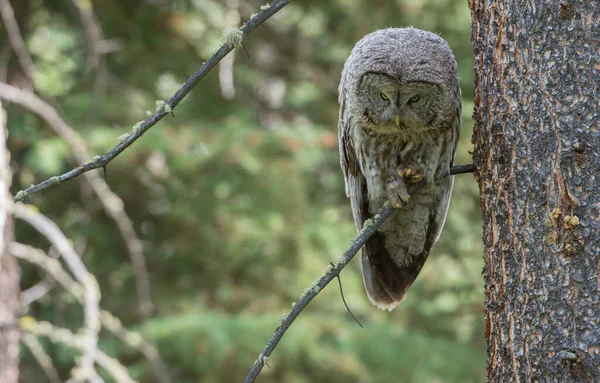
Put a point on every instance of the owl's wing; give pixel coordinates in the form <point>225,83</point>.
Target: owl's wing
<point>356,186</point>
<point>356,191</point>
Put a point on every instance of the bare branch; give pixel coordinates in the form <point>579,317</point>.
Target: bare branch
<point>140,129</point>
<point>40,289</point>
<point>35,292</point>
<point>112,203</point>
<point>42,357</point>
<point>96,48</point>
<point>91,31</point>
<point>66,337</point>
<point>91,292</point>
<point>52,266</point>
<point>135,341</point>
<point>109,322</point>
<point>16,40</point>
<point>331,272</point>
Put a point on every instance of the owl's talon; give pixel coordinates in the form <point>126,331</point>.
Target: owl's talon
<point>400,199</point>
<point>410,174</point>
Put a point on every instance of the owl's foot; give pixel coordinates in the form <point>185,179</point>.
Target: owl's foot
<point>398,193</point>
<point>410,174</point>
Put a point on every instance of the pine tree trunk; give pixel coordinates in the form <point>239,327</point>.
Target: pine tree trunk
<point>537,148</point>
<point>9,274</point>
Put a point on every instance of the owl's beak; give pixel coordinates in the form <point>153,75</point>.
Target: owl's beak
<point>398,121</point>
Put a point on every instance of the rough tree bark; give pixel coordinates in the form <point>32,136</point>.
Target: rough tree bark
<point>9,273</point>
<point>537,148</point>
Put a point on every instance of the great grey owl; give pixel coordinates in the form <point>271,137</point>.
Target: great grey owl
<point>399,123</point>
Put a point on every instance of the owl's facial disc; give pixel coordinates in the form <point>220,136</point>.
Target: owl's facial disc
<point>389,105</point>
<point>415,106</point>
<point>399,109</point>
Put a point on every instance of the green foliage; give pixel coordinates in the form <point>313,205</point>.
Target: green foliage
<point>240,203</point>
<point>317,348</point>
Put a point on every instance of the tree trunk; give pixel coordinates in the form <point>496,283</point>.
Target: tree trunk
<point>9,273</point>
<point>537,150</point>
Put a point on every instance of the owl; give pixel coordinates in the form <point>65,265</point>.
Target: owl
<point>399,123</point>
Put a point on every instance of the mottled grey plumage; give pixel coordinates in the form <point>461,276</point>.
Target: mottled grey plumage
<point>399,123</point>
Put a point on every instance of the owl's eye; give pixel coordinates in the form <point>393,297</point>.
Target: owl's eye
<point>414,98</point>
<point>384,96</point>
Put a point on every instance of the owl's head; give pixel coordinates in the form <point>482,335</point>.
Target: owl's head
<point>387,103</point>
<point>401,80</point>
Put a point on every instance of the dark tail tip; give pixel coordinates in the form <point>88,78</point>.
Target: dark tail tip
<point>385,282</point>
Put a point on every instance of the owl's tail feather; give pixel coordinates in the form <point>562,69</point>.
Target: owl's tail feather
<point>385,282</point>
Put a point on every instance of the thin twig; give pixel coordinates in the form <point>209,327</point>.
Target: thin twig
<point>66,337</point>
<point>332,272</point>
<point>109,322</point>
<point>16,39</point>
<point>139,130</point>
<point>91,292</point>
<point>41,356</point>
<point>95,57</point>
<point>43,287</point>
<point>35,293</point>
<point>344,299</point>
<point>136,342</point>
<point>91,30</point>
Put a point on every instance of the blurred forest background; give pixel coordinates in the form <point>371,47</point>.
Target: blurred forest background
<point>238,199</point>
